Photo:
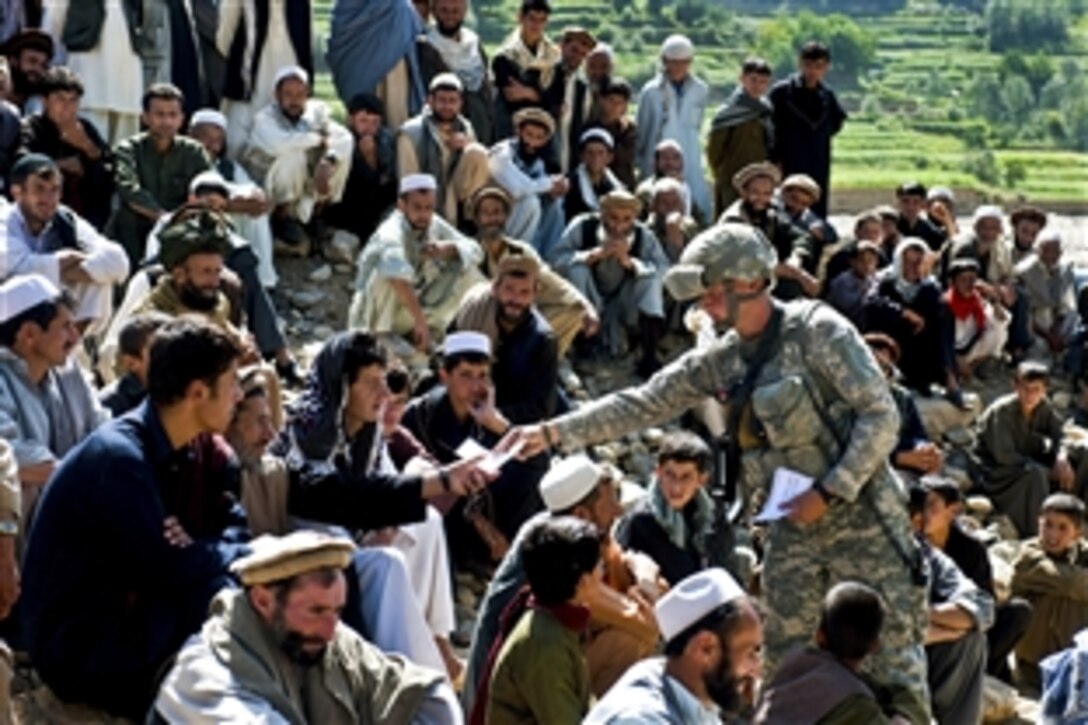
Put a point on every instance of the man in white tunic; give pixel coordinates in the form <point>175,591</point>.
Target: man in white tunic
<point>297,152</point>
<point>671,106</point>
<point>414,270</point>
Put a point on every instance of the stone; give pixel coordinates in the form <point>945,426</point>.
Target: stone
<point>323,332</point>
<point>343,268</point>
<point>321,274</point>
<point>653,437</point>
<point>343,248</point>
<point>306,299</point>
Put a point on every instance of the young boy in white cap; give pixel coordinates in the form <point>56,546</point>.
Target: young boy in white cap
<point>713,659</point>
<point>414,270</point>
<point>671,106</point>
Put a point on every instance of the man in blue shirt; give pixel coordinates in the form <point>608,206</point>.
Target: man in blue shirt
<point>136,530</point>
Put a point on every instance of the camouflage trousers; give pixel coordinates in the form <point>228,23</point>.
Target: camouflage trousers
<point>803,562</point>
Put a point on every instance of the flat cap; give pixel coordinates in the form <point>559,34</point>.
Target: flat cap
<point>805,183</point>
<point>279,558</point>
<point>759,169</point>
<point>535,115</point>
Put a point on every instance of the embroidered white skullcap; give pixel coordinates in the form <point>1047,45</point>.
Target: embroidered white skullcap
<point>445,81</point>
<point>417,182</point>
<point>209,116</point>
<point>669,143</point>
<point>568,482</point>
<point>694,598</point>
<point>677,47</point>
<point>292,71</point>
<point>1048,236</point>
<point>987,211</point>
<point>466,342</point>
<point>24,291</point>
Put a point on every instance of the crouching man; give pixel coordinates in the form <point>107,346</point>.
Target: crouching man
<point>277,652</point>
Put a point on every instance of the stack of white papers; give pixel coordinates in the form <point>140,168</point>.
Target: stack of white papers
<point>492,462</point>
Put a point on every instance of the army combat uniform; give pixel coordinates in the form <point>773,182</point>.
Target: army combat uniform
<point>819,376</point>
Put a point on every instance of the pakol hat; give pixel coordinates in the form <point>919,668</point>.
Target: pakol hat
<point>805,183</point>
<point>755,171</point>
<point>535,115</point>
<point>279,558</point>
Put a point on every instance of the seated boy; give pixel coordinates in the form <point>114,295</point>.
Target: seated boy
<point>1052,573</point>
<point>823,683</point>
<point>129,390</point>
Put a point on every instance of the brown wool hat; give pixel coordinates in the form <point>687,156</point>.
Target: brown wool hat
<point>278,558</point>
<point>579,34</point>
<point>621,200</point>
<point>1031,213</point>
<point>521,263</point>
<point>805,183</point>
<point>488,192</point>
<point>754,171</point>
<point>535,115</point>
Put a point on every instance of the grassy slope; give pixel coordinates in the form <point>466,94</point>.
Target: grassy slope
<point>910,45</point>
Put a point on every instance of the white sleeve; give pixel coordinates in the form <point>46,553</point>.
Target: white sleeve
<point>106,262</point>
<point>511,178</point>
<point>18,258</point>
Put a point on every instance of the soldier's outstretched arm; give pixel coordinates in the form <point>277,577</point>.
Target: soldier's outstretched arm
<point>665,396</point>
<point>842,359</point>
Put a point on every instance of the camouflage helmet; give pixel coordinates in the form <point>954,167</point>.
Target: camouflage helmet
<point>723,252</point>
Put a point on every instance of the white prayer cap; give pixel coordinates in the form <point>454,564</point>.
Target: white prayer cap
<point>987,211</point>
<point>209,180</point>
<point>694,598</point>
<point>209,116</point>
<point>602,49</point>
<point>669,143</point>
<point>24,291</point>
<point>446,81</point>
<point>677,47</point>
<point>596,134</point>
<point>568,482</point>
<point>417,182</point>
<point>941,193</point>
<point>292,71</point>
<point>666,184</point>
<point>1048,236</point>
<point>467,342</point>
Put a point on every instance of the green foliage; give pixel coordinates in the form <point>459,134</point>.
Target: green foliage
<point>984,167</point>
<point>1037,69</point>
<point>1017,99</point>
<point>973,6</point>
<point>1075,114</point>
<point>1029,25</point>
<point>853,48</point>
<point>1016,173</point>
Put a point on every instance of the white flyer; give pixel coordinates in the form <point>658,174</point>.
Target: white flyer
<point>786,486</point>
<point>492,462</point>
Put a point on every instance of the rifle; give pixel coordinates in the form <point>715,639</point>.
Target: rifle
<point>721,539</point>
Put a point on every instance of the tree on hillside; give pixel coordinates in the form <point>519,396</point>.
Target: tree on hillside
<point>974,6</point>
<point>1037,69</point>
<point>1018,100</point>
<point>853,48</point>
<point>1029,25</point>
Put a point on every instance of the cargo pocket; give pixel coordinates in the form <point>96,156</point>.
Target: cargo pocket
<point>787,413</point>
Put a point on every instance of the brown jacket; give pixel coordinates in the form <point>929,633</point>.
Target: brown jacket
<point>1057,588</point>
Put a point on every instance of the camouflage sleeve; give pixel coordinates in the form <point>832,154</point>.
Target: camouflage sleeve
<point>841,358</point>
<point>666,395</point>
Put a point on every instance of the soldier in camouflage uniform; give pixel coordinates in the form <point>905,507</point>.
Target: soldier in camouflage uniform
<point>818,406</point>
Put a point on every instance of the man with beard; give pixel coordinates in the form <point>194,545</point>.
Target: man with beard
<point>567,312</point>
<point>1026,223</point>
<point>278,652</point>
<point>506,312</point>
<point>741,132</point>
<point>667,219</point>
<point>441,142</point>
<point>1049,284</point>
<point>28,54</point>
<point>713,659</point>
<point>458,50</point>
<point>616,262</point>
<point>135,532</point>
<point>517,165</point>
<point>61,133</point>
<point>245,200</point>
<point>299,155</point>
<point>799,253</point>
<point>152,170</point>
<point>194,245</point>
<point>669,164</point>
<point>414,270</point>
<point>39,235</point>
<point>46,405</point>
